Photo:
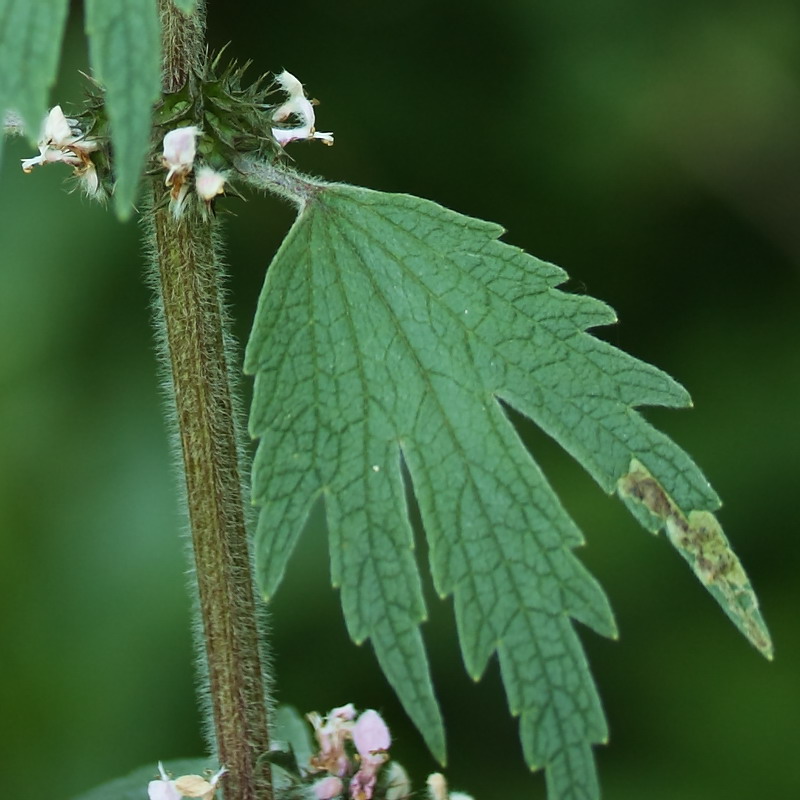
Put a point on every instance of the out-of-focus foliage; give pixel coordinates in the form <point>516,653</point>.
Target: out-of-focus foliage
<point>124,39</point>
<point>651,150</point>
<point>124,52</point>
<point>31,33</point>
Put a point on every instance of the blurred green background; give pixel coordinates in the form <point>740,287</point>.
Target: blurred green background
<point>651,149</point>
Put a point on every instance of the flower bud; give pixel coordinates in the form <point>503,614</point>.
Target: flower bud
<point>208,183</point>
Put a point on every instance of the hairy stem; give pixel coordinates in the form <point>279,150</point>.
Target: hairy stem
<point>183,41</point>
<point>192,322</point>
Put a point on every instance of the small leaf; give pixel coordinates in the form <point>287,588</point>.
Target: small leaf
<point>134,785</point>
<point>294,731</point>
<point>31,32</point>
<point>188,7</point>
<point>388,333</point>
<point>125,46</point>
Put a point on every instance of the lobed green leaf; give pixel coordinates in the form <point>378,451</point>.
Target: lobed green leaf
<point>31,32</point>
<point>389,332</point>
<point>125,47</point>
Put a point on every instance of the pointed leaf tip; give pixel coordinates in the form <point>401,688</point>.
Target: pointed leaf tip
<point>125,52</point>
<point>699,538</point>
<point>31,33</point>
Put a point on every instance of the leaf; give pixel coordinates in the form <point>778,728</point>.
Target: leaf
<point>134,785</point>
<point>31,32</point>
<point>292,730</point>
<point>388,332</point>
<point>125,48</point>
<point>188,7</point>
<point>698,537</point>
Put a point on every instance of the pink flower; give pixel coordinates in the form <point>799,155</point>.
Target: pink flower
<point>345,713</point>
<point>162,788</point>
<point>372,739</point>
<point>370,733</point>
<point>179,152</point>
<point>332,732</point>
<point>328,788</point>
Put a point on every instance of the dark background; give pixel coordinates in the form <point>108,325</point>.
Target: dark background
<point>651,149</point>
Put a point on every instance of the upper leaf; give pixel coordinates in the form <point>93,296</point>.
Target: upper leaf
<point>30,44</point>
<point>388,331</point>
<point>125,48</point>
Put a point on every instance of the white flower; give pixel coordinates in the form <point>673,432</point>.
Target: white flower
<point>437,789</point>
<point>179,153</point>
<point>208,183</point>
<point>437,786</point>
<point>90,181</point>
<point>185,786</point>
<point>61,140</point>
<point>162,788</point>
<point>301,108</point>
<point>180,148</point>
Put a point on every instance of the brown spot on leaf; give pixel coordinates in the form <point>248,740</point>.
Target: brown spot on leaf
<point>700,540</point>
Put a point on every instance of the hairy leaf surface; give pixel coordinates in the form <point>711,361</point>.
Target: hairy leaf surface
<point>125,48</point>
<point>388,332</point>
<point>30,44</point>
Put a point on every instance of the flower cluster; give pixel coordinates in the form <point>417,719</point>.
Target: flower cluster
<point>211,117</point>
<point>294,121</point>
<point>61,140</point>
<point>339,734</point>
<point>165,788</point>
<point>353,752</point>
<point>351,762</point>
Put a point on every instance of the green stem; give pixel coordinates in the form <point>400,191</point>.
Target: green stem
<point>193,324</point>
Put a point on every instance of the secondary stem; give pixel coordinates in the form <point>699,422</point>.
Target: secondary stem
<point>193,321</point>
